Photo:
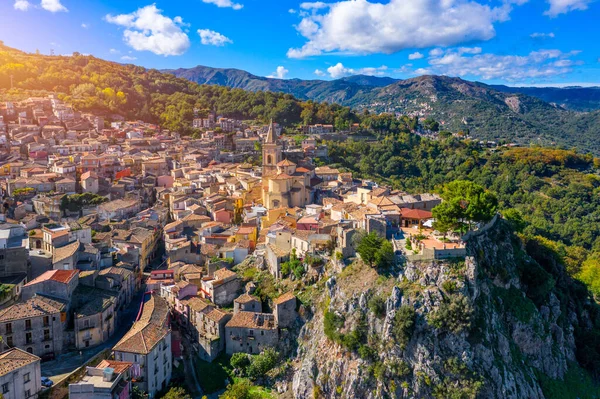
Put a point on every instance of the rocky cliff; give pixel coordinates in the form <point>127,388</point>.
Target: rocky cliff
<point>504,323</point>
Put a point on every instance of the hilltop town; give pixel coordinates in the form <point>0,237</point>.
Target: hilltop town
<point>132,239</point>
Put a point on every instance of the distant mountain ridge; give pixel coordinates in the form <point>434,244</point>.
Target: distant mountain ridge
<point>349,90</point>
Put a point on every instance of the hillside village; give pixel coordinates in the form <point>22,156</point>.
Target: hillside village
<point>99,217</point>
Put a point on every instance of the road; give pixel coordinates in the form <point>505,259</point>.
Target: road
<point>68,362</point>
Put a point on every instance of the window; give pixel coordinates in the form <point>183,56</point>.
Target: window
<point>26,377</point>
<point>9,328</point>
<point>9,341</point>
<point>5,388</point>
<point>28,393</point>
<point>46,335</point>
<point>28,324</point>
<point>86,324</point>
<point>28,339</point>
<point>46,321</point>
<point>30,350</point>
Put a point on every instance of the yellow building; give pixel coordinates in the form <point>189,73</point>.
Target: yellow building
<point>284,185</point>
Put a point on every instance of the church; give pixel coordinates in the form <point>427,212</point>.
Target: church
<point>284,184</point>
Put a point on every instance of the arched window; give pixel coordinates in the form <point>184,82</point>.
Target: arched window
<point>269,159</point>
<point>30,350</point>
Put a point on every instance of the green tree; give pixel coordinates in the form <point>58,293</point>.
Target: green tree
<point>262,363</point>
<point>590,274</point>
<point>241,389</point>
<point>384,256</point>
<point>177,393</point>
<point>404,324</point>
<point>368,247</point>
<point>464,202</point>
<point>515,219</point>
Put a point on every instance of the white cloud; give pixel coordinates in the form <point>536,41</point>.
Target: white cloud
<point>435,52</point>
<point>212,38</point>
<point>149,30</point>
<point>280,73</point>
<point>362,27</point>
<point>53,6</point>
<point>317,5</point>
<point>558,7</point>
<point>225,4</point>
<point>415,56</point>
<point>318,72</point>
<point>339,71</point>
<point>22,5</point>
<point>128,58</point>
<point>541,35</point>
<point>292,11</point>
<point>113,51</point>
<point>84,25</point>
<point>512,68</point>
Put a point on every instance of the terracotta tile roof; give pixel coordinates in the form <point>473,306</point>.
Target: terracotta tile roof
<point>245,298</point>
<point>223,274</point>
<point>415,213</point>
<point>61,276</point>
<point>147,332</point>
<point>87,301</point>
<point>217,315</point>
<point>15,358</point>
<point>288,296</point>
<point>33,307</point>
<point>119,367</point>
<point>262,321</point>
<point>196,303</point>
<point>66,251</point>
<point>286,162</point>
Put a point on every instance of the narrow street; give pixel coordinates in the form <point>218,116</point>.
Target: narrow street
<point>66,363</point>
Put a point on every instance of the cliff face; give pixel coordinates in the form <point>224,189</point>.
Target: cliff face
<point>494,326</point>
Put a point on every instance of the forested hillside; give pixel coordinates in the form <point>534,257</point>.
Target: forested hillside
<point>90,83</point>
<point>525,115</point>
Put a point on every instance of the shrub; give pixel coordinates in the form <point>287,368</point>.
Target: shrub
<point>367,353</point>
<point>262,363</point>
<point>453,315</point>
<point>240,361</point>
<point>449,286</point>
<point>377,305</point>
<point>331,324</point>
<point>404,325</point>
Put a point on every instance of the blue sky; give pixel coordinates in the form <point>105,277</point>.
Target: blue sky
<point>516,42</point>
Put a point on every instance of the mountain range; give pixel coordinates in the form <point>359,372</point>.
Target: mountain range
<point>353,90</point>
<point>528,115</point>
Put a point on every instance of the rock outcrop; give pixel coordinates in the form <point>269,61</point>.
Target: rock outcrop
<point>480,328</point>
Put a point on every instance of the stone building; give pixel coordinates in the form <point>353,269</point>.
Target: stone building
<point>247,303</point>
<point>207,327</point>
<point>36,326</point>
<point>20,374</point>
<point>284,310</point>
<point>250,332</point>
<point>94,316</point>
<point>222,288</point>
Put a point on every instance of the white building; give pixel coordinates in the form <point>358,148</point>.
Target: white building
<point>20,374</point>
<point>148,345</point>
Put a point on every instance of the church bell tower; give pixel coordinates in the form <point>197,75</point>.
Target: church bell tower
<point>271,153</point>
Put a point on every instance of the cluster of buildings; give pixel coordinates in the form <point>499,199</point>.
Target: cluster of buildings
<point>94,212</point>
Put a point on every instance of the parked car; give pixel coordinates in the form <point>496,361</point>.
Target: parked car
<point>47,382</point>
